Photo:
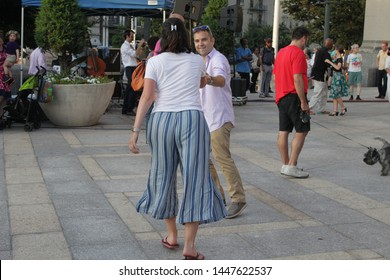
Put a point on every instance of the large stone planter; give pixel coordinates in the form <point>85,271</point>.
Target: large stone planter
<point>78,105</point>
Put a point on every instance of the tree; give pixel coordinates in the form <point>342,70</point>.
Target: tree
<point>256,35</point>
<point>62,28</point>
<point>224,38</point>
<point>346,18</point>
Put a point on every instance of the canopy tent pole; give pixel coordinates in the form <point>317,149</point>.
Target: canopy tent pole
<point>21,46</point>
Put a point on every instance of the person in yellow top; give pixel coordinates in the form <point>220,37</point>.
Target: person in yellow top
<point>382,74</point>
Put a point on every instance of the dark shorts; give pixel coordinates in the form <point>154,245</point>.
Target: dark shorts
<point>289,111</point>
<point>5,94</point>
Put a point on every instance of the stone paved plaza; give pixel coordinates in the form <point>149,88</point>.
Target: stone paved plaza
<point>69,193</point>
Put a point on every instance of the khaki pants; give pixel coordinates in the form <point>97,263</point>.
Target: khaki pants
<point>320,94</point>
<point>220,146</point>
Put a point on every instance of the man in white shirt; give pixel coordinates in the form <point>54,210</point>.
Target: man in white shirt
<point>216,99</point>
<point>37,59</point>
<point>129,59</point>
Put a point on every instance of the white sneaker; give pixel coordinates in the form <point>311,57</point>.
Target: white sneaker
<point>293,171</point>
<point>283,169</point>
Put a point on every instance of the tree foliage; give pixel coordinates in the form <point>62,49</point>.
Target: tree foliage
<point>346,19</point>
<point>224,38</point>
<point>256,35</point>
<point>62,28</point>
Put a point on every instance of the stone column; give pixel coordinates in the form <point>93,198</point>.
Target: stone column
<point>376,30</point>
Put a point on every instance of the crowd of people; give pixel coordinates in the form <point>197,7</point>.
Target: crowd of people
<point>189,124</point>
<point>187,103</point>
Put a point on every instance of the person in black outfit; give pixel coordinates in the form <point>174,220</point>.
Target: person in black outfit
<point>318,100</point>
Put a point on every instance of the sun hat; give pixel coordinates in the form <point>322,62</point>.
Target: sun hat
<point>12,32</point>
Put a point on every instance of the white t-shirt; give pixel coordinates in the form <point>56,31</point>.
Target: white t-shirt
<point>354,62</point>
<point>177,78</point>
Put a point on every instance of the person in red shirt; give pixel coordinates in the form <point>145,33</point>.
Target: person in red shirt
<point>291,89</point>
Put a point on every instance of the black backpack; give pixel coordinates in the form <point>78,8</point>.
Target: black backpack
<point>268,56</point>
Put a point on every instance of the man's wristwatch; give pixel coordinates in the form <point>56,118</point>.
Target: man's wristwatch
<point>136,129</point>
<point>210,81</point>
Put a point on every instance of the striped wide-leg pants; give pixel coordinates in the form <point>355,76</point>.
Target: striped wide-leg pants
<point>180,139</point>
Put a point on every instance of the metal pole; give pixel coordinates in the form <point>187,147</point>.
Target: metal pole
<point>327,19</point>
<point>21,47</point>
<point>275,31</point>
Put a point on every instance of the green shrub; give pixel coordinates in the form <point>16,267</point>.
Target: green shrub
<point>61,28</point>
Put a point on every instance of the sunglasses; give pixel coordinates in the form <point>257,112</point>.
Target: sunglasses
<point>200,28</point>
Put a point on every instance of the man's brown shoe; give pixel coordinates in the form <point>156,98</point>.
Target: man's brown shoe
<point>235,209</point>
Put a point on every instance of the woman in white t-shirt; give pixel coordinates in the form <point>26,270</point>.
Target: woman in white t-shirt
<point>354,62</point>
<point>177,134</point>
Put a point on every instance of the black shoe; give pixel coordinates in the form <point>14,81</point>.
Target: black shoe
<point>378,96</point>
<point>343,111</point>
<point>358,97</point>
<point>131,113</point>
<point>351,98</point>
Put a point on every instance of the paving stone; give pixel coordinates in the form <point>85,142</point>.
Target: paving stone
<point>127,212</point>
<point>5,255</point>
<point>372,234</point>
<point>123,165</point>
<point>5,232</point>
<point>23,175</point>
<point>58,162</point>
<point>365,254</point>
<point>92,167</point>
<point>337,255</point>
<point>383,251</point>
<point>42,246</point>
<point>33,219</point>
<point>135,184</point>
<point>300,241</point>
<point>73,187</point>
<point>21,160</point>
<point>65,174</point>
<point>94,230</point>
<point>109,251</point>
<point>77,205</point>
<point>380,214</point>
<point>102,138</point>
<point>24,194</point>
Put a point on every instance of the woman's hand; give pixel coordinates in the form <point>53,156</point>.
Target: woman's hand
<point>327,61</point>
<point>133,143</point>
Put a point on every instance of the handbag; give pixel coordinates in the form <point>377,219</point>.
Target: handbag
<point>137,78</point>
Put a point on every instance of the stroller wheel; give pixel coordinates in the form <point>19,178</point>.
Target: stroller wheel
<point>8,123</point>
<point>28,127</point>
<point>37,125</point>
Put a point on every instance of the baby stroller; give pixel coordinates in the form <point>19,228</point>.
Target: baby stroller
<point>24,108</point>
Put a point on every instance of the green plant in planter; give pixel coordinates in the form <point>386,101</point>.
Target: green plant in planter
<point>61,28</point>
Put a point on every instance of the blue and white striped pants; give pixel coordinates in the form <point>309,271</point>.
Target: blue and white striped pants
<point>180,138</point>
